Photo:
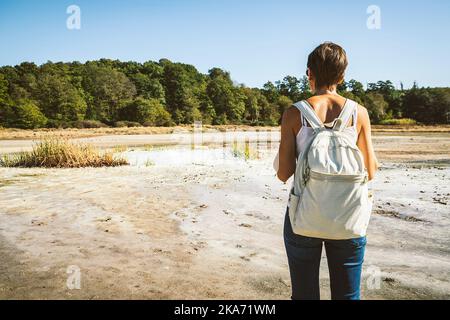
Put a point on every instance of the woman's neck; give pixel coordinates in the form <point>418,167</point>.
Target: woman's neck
<point>322,91</point>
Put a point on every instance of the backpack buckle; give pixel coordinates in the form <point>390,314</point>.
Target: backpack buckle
<point>306,175</point>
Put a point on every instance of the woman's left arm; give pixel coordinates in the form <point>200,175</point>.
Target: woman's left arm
<point>286,153</point>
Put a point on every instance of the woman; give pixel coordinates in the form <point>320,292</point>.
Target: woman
<point>326,69</point>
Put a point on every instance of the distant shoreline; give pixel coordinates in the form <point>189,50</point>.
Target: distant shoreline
<point>26,134</point>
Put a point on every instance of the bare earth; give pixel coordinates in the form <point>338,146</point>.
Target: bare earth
<point>208,228</point>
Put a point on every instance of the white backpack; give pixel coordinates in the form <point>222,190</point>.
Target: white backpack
<point>330,198</point>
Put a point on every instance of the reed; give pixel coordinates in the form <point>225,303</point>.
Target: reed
<point>60,153</point>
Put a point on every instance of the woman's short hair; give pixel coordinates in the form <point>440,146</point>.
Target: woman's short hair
<point>327,63</point>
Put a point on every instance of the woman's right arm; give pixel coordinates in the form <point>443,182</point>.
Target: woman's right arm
<point>365,143</point>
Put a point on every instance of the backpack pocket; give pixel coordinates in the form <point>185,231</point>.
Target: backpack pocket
<point>333,206</point>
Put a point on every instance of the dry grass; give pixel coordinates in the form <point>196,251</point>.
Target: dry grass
<point>400,122</point>
<point>59,153</point>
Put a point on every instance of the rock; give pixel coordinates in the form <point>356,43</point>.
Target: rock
<point>245,225</point>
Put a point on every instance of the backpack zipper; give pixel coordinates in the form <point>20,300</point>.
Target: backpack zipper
<point>338,177</point>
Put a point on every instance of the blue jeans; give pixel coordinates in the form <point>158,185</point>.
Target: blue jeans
<point>345,259</point>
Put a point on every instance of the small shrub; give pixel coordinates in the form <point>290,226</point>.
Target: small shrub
<point>88,124</point>
<point>127,124</point>
<point>57,153</point>
<point>59,124</point>
<point>404,121</point>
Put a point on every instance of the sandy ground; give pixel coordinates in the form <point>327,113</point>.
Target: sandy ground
<point>204,227</point>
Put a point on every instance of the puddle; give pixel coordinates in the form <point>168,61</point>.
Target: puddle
<point>201,155</point>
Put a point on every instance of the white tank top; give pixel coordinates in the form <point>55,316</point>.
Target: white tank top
<point>306,131</point>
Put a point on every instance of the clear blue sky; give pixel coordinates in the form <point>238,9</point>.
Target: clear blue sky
<point>256,40</point>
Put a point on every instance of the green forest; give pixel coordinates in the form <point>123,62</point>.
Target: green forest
<point>114,93</point>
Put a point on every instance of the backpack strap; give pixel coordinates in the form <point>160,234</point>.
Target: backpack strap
<point>344,116</point>
<point>308,113</point>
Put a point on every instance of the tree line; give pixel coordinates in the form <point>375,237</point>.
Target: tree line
<point>164,93</point>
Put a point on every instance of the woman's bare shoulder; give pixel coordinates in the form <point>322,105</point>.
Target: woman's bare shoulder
<point>291,115</point>
<point>291,120</point>
<point>363,116</point>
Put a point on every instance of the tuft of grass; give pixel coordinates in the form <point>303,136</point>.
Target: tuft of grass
<point>149,163</point>
<point>59,153</point>
<point>246,152</point>
<point>119,149</point>
<point>403,121</point>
